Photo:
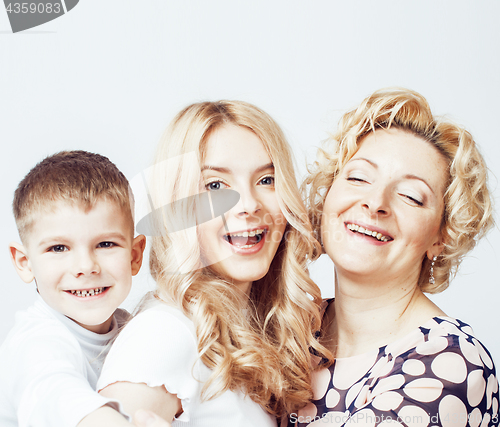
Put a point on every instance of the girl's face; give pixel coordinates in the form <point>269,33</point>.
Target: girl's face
<point>241,250</point>
<point>383,212</point>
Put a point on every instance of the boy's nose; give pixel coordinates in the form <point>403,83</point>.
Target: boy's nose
<point>86,264</point>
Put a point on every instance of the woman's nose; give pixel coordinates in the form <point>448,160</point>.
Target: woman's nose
<point>376,202</point>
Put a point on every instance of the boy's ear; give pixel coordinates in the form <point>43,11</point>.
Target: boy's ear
<point>138,246</point>
<point>19,257</point>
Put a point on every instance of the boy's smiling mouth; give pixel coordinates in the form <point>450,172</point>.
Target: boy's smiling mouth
<point>245,239</point>
<point>85,293</point>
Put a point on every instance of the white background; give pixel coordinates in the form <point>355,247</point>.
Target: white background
<point>108,77</point>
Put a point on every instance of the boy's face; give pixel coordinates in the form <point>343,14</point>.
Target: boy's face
<point>82,262</point>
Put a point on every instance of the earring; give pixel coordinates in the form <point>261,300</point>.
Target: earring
<point>431,275</point>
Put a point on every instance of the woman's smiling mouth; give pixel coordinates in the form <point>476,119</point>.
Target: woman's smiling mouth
<point>367,232</point>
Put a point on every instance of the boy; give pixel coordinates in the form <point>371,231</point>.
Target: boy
<point>75,218</point>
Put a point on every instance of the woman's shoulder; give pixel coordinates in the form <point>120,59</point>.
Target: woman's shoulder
<point>439,338</point>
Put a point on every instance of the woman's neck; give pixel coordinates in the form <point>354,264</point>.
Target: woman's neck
<point>369,315</point>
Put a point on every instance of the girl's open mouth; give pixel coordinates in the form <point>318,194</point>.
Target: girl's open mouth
<point>245,239</point>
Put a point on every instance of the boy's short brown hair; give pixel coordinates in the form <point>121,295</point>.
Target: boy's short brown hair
<point>76,177</point>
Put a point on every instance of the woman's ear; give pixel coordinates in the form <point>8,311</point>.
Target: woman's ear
<point>19,257</point>
<point>436,248</point>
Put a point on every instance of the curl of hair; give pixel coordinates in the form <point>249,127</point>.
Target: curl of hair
<point>468,212</point>
<point>266,352</point>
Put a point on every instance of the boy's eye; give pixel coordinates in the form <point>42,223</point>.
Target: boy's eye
<point>58,248</point>
<point>106,245</point>
<point>215,185</point>
<point>267,180</point>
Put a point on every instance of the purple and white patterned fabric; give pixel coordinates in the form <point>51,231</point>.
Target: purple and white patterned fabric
<point>438,375</point>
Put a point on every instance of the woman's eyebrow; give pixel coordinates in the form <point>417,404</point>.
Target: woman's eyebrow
<point>366,160</point>
<point>411,176</point>
<point>407,176</point>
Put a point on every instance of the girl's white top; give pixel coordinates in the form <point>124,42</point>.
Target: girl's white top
<point>159,348</point>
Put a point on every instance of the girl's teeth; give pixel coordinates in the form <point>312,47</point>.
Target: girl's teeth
<point>247,233</point>
<point>236,238</point>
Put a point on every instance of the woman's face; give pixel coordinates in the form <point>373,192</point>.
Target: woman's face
<point>241,250</point>
<point>383,212</point>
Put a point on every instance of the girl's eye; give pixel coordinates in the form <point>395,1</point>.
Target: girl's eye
<point>267,180</point>
<point>58,248</point>
<point>106,245</point>
<point>215,185</point>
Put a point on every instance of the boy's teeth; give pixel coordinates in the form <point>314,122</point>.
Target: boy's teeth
<point>358,229</point>
<point>87,293</point>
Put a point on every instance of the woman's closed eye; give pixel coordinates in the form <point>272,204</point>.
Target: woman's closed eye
<point>357,178</point>
<point>413,199</point>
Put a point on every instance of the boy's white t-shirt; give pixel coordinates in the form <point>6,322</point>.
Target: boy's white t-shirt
<point>159,347</point>
<point>49,369</point>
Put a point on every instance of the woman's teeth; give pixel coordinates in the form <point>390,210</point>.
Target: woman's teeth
<point>378,236</point>
<point>87,293</point>
<point>245,239</point>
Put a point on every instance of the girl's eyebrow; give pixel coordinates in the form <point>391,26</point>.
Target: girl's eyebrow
<point>216,168</point>
<point>407,176</point>
<point>227,170</point>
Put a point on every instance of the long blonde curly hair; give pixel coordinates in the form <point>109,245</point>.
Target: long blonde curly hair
<point>468,211</point>
<point>264,351</point>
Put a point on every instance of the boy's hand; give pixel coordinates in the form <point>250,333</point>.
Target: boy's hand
<point>149,419</point>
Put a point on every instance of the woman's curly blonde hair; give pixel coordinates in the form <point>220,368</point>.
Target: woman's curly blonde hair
<point>265,351</point>
<point>467,213</point>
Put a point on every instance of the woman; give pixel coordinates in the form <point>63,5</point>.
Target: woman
<point>399,197</point>
<point>226,340</point>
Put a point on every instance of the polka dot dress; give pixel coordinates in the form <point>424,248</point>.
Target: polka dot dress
<point>438,375</point>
